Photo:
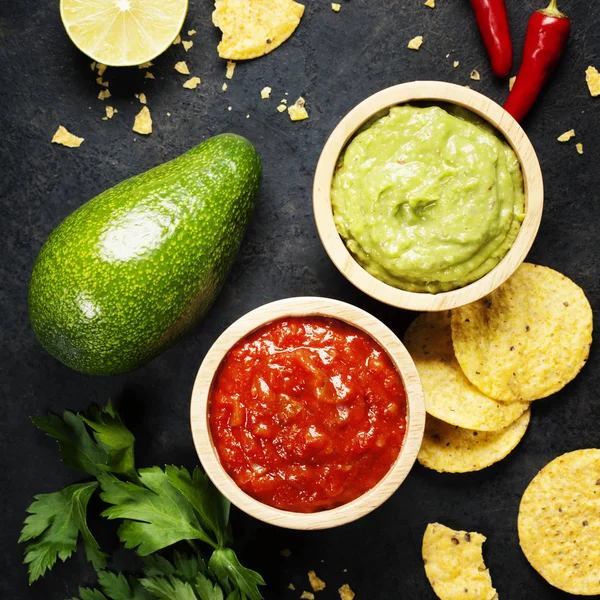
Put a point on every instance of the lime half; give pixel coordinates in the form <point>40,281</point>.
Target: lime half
<point>122,33</point>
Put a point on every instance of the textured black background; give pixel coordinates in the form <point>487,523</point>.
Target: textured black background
<point>334,61</point>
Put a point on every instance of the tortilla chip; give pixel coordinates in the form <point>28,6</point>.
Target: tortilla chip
<point>592,77</point>
<point>143,122</point>
<point>455,64</point>
<point>454,564</point>
<point>430,3</point>
<point>566,136</point>
<point>146,65</point>
<point>346,592</point>
<point>149,75</point>
<point>307,596</point>
<point>252,28</point>
<point>415,43</point>
<point>192,32</point>
<point>192,83</point>
<point>110,111</point>
<point>527,339</point>
<point>187,45</point>
<point>265,93</point>
<point>579,148</point>
<point>142,98</point>
<point>64,138</point>
<point>297,111</point>
<point>230,69</point>
<point>559,522</point>
<point>511,83</point>
<point>335,7</point>
<point>282,108</point>
<point>450,449</point>
<point>475,76</point>
<point>315,583</point>
<point>181,67</point>
<point>449,395</point>
<point>101,69</point>
<point>103,95</point>
<point>177,41</point>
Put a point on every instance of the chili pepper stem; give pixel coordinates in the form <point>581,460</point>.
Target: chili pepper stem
<point>552,10</point>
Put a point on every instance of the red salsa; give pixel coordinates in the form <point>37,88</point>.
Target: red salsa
<point>307,413</point>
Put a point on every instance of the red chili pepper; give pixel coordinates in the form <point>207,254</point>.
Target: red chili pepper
<point>492,21</point>
<point>547,34</point>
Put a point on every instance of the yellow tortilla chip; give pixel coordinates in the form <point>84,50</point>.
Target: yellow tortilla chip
<point>297,111</point>
<point>566,136</point>
<point>307,596</point>
<point>149,75</point>
<point>415,43</point>
<point>143,122</point>
<point>181,67</point>
<point>346,592</point>
<point>265,93</point>
<point>449,395</point>
<point>252,28</point>
<point>110,111</point>
<point>335,7</point>
<point>103,95</point>
<point>559,522</point>
<point>511,83</point>
<point>475,76</point>
<point>430,3</point>
<point>187,45</point>
<point>64,138</point>
<point>592,78</point>
<point>527,339</point>
<point>192,83</point>
<point>450,449</point>
<point>579,148</point>
<point>454,564</point>
<point>316,583</point>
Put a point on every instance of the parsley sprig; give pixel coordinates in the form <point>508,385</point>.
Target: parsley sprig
<point>158,507</point>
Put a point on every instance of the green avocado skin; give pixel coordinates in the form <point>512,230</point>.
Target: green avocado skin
<point>128,273</point>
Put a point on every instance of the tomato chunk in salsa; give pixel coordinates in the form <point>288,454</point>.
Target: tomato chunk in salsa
<point>307,413</point>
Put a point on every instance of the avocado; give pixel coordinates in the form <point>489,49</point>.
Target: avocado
<point>129,272</point>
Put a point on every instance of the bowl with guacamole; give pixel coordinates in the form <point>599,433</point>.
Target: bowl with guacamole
<point>428,195</point>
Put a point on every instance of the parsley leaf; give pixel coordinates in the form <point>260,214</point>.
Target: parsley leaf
<point>169,588</point>
<point>156,516</point>
<point>54,523</point>
<point>87,594</point>
<point>227,568</point>
<point>207,590</point>
<point>109,449</point>
<point>211,507</point>
<point>118,587</point>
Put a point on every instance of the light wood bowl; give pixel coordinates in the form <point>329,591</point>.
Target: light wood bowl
<point>252,321</point>
<point>433,91</point>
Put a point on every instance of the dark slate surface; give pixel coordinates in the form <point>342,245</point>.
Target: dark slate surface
<point>334,61</point>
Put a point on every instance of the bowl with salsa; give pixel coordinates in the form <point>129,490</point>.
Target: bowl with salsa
<point>428,195</point>
<point>307,413</point>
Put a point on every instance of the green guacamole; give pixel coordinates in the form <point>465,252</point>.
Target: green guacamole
<point>428,201</point>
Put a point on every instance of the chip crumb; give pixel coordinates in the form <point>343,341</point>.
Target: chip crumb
<point>168,114</point>
<point>103,95</point>
<point>579,148</point>
<point>286,552</point>
<point>149,75</point>
<point>566,136</point>
<point>224,86</point>
<point>307,596</point>
<point>316,583</point>
<point>143,122</point>
<point>511,83</point>
<point>182,68</point>
<point>101,69</point>
<point>335,7</point>
<point>141,97</point>
<point>281,108</point>
<point>146,65</point>
<point>284,101</point>
<point>192,83</point>
<point>346,592</point>
<point>229,108</point>
<point>177,40</point>
<point>291,586</point>
<point>187,44</point>
<point>455,64</point>
<point>430,3</point>
<point>64,138</point>
<point>416,42</point>
<point>110,111</point>
<point>192,32</point>
<point>265,93</point>
<point>475,76</point>
<point>99,81</point>
<point>230,69</point>
<point>93,65</point>
<point>592,77</point>
<point>298,111</point>
<point>247,116</point>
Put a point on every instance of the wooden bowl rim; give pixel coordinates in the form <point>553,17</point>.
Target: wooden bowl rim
<point>308,306</point>
<point>435,91</point>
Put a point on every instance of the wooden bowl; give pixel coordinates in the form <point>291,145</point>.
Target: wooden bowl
<point>415,418</point>
<point>435,91</point>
